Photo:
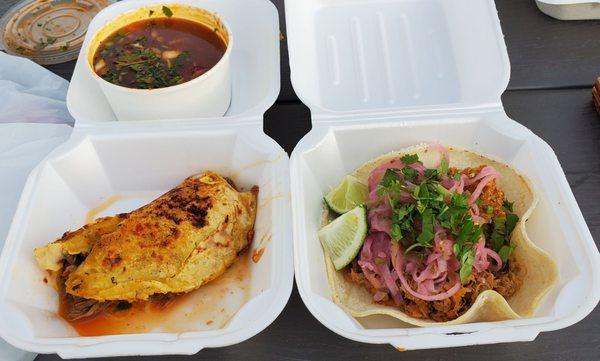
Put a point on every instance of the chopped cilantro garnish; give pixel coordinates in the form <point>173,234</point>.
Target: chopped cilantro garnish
<point>505,252</point>
<point>409,159</point>
<point>410,174</point>
<point>508,205</point>
<point>431,173</point>
<point>396,232</point>
<point>444,170</point>
<point>511,222</point>
<point>149,69</point>
<point>498,234</point>
<point>426,235</point>
<point>466,265</point>
<point>414,222</point>
<point>168,13</point>
<point>503,228</point>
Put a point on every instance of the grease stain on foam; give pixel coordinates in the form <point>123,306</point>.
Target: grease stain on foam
<point>257,254</point>
<point>234,175</point>
<point>94,212</point>
<point>265,202</point>
<point>260,248</point>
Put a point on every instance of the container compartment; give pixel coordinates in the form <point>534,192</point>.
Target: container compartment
<point>137,166</point>
<point>323,157</point>
<point>382,75</point>
<point>254,60</point>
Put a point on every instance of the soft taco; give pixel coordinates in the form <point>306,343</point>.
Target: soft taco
<point>442,239</point>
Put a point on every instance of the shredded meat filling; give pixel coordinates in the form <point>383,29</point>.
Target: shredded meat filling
<point>504,282</point>
<point>78,308</point>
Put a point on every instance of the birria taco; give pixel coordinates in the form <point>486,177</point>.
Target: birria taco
<point>431,236</point>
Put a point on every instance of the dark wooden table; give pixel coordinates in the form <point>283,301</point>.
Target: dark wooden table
<point>554,65</point>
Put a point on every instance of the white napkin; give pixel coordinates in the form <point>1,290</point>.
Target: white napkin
<point>29,96</point>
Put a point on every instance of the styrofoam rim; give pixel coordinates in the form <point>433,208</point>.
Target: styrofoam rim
<point>171,343</point>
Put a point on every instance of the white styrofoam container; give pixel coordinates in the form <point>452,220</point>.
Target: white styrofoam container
<point>381,75</point>
<point>139,160</point>
<point>22,146</point>
<point>208,95</point>
<point>254,62</point>
<point>570,9</point>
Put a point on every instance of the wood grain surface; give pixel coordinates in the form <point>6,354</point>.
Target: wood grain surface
<point>554,65</point>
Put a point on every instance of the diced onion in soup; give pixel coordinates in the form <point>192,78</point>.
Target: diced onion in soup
<point>170,54</point>
<point>100,64</point>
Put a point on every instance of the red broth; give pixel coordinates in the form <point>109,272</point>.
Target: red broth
<point>158,53</point>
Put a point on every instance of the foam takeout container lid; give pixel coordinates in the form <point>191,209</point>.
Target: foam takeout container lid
<point>383,75</point>
<point>138,160</point>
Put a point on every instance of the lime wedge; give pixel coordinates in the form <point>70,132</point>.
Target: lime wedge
<point>346,196</point>
<point>343,238</point>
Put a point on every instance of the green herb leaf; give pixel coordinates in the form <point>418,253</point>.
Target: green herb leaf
<point>427,234</point>
<point>443,191</point>
<point>466,266</point>
<point>390,178</point>
<point>511,222</point>
<point>508,205</point>
<point>389,183</point>
<point>431,174</point>
<point>400,213</point>
<point>182,58</point>
<point>410,174</point>
<point>168,13</point>
<point>444,170</point>
<point>469,231</point>
<point>456,249</point>
<point>489,210</point>
<point>505,253</point>
<point>410,159</point>
<point>499,232</point>
<point>396,232</point>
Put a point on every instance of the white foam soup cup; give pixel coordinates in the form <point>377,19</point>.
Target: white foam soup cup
<point>207,95</point>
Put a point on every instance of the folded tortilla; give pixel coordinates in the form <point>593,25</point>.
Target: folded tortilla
<point>175,244</point>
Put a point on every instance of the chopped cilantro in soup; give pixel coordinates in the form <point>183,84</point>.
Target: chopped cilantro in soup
<point>158,53</point>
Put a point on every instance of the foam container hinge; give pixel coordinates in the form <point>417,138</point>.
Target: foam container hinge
<point>138,161</point>
<point>382,75</point>
<point>570,9</point>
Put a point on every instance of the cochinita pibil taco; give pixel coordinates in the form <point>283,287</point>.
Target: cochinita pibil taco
<point>431,236</point>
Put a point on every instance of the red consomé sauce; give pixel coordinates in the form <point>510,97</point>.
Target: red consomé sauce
<point>157,53</point>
